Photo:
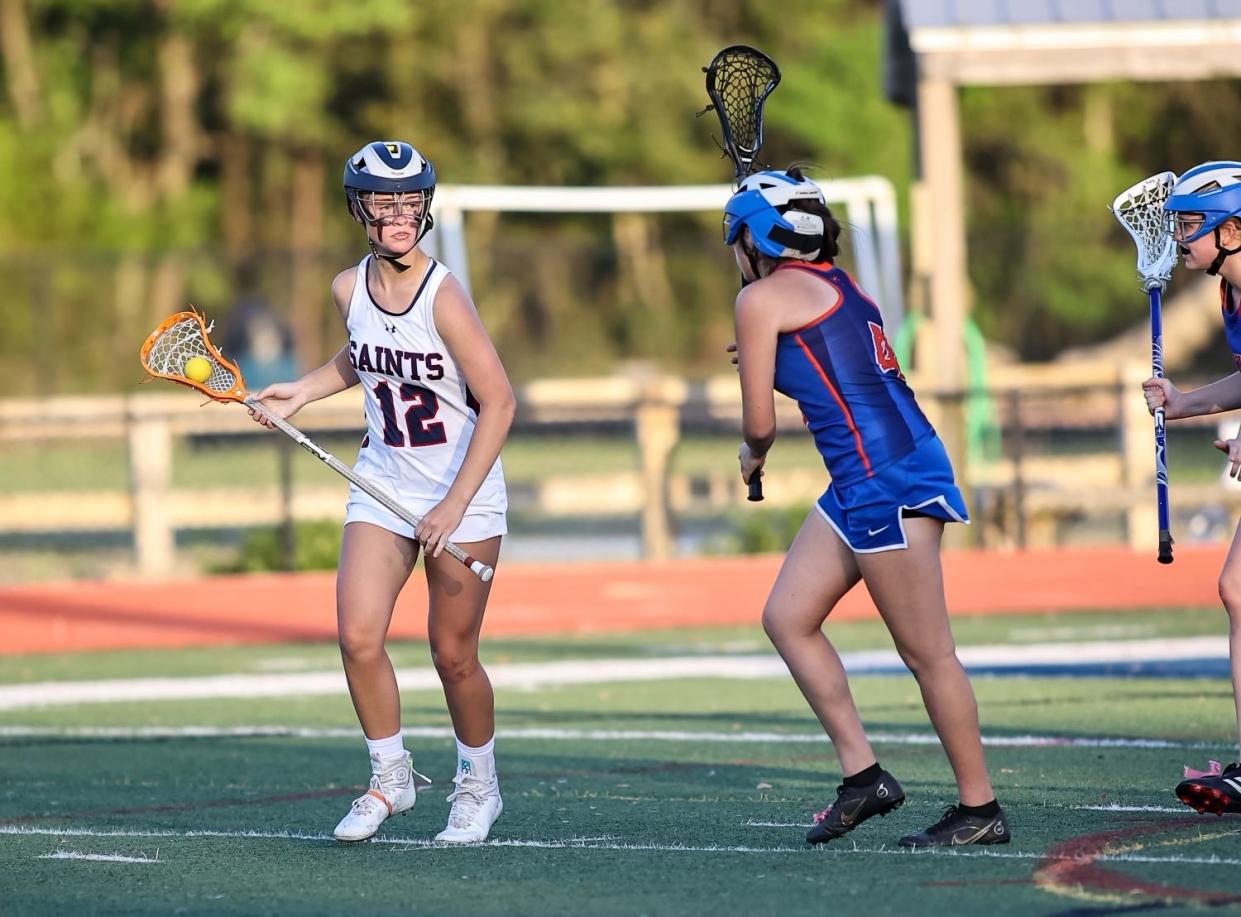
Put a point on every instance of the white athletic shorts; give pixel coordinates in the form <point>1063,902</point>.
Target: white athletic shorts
<point>362,507</point>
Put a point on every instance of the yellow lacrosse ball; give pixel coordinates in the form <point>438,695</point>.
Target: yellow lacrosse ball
<point>197,369</point>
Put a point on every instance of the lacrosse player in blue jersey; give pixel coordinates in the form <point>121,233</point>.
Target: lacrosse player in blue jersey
<point>805,329</point>
<point>1204,217</point>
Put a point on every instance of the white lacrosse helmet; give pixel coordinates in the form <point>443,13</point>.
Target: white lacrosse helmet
<point>761,204</point>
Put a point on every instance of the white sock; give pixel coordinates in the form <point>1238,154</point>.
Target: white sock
<point>387,748</point>
<point>478,762</point>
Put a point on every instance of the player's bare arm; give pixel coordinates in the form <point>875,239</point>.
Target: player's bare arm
<point>1216,398</point>
<point>338,373</point>
<point>287,398</point>
<point>342,288</point>
<point>756,322</point>
<point>471,348</point>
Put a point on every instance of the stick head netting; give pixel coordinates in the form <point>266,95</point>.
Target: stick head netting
<point>1140,210</point>
<point>175,350</point>
<point>739,79</point>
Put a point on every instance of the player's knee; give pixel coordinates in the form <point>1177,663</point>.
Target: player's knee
<point>454,662</point>
<point>929,660</point>
<point>1230,593</point>
<point>771,625</point>
<point>360,645</point>
<point>779,626</point>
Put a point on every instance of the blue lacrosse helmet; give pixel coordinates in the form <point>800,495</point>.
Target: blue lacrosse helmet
<point>390,167</point>
<point>761,204</point>
<point>1212,189</point>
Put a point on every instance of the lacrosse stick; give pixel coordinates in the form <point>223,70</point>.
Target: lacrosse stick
<point>739,80</point>
<point>1140,210</point>
<point>184,337</point>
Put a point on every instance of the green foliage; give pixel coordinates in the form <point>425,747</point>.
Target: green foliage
<point>316,547</point>
<point>1050,265</point>
<point>139,105</point>
<point>763,531</point>
<point>160,143</point>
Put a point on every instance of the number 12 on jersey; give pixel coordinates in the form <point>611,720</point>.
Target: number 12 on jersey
<point>423,406</point>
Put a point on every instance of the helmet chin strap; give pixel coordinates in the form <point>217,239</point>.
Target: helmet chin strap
<point>751,256</point>
<point>1220,254</point>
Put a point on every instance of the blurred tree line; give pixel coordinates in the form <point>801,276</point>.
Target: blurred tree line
<point>152,150</point>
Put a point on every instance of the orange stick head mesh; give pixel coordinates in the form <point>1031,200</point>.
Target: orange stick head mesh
<point>183,338</point>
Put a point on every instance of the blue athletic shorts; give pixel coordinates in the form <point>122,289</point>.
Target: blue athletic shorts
<point>869,515</point>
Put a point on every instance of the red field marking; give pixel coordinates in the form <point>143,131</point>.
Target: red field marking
<point>1072,864</point>
<point>572,598</point>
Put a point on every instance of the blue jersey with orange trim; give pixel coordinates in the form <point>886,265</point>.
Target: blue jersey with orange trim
<point>1232,320</point>
<point>844,376</point>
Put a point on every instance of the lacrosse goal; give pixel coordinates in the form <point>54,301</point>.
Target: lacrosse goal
<point>866,206</point>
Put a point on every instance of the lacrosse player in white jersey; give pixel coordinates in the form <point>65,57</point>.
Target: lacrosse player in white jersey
<point>438,409</point>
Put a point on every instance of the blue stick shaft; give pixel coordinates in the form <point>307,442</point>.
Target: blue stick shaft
<point>1161,447</point>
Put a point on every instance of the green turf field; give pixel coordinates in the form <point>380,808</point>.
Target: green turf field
<point>654,796</point>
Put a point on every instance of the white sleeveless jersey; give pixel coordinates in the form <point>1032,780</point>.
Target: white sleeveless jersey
<point>420,415</point>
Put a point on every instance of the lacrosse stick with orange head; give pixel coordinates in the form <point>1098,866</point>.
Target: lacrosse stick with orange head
<point>178,349</point>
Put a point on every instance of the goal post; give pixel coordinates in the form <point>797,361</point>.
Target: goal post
<point>866,206</point>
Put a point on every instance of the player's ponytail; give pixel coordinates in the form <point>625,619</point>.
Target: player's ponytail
<point>831,228</point>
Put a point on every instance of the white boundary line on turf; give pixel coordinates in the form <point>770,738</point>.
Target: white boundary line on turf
<point>531,675</point>
<point>592,735</point>
<point>97,857</point>
<point>1170,810</point>
<point>593,844</point>
<point>750,823</point>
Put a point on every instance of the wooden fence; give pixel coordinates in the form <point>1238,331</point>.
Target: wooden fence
<point>1026,494</point>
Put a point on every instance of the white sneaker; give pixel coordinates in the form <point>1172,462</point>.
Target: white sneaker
<point>476,804</point>
<point>394,787</point>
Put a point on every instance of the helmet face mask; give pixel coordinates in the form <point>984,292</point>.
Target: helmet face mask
<point>380,207</point>
<point>1184,225</point>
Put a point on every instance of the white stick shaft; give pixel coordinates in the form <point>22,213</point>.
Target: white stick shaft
<point>480,569</point>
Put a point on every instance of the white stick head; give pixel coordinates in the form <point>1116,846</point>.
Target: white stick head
<point>1140,210</point>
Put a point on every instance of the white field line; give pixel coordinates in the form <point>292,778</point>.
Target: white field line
<point>98,857</point>
<point>750,823</point>
<point>532,675</point>
<point>1172,810</point>
<point>1113,807</point>
<point>597,844</point>
<point>588,735</point>
<point>503,676</point>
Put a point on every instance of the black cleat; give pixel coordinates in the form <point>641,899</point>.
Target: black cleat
<point>1213,793</point>
<point>957,829</point>
<point>853,806</point>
